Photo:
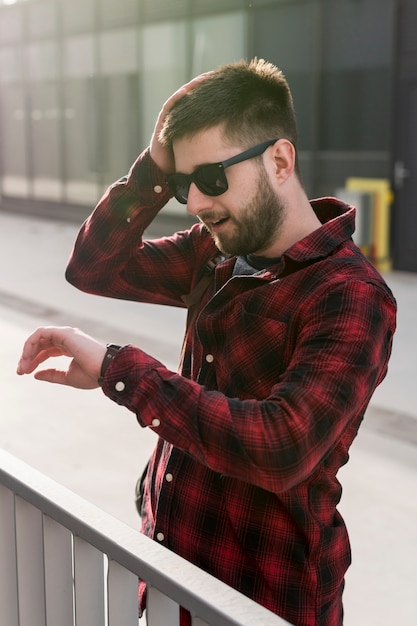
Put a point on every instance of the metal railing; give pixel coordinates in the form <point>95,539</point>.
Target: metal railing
<point>64,562</point>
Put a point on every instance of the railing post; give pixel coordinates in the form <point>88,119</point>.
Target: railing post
<point>30,564</point>
<point>160,609</point>
<point>122,596</point>
<point>89,584</point>
<point>8,571</point>
<point>58,573</point>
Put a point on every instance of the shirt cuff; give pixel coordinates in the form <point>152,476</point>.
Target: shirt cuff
<point>145,174</point>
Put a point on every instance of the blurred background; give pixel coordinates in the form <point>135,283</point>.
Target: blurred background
<point>81,83</point>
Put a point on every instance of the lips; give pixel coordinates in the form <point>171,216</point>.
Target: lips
<point>212,222</point>
<point>216,226</point>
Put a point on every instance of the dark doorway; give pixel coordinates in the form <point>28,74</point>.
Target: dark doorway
<point>404,181</point>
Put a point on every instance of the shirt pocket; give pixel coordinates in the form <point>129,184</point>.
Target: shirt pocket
<point>253,354</point>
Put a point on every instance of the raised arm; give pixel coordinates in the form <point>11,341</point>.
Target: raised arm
<point>111,258</point>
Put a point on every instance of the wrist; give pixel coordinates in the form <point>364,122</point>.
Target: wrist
<point>111,350</point>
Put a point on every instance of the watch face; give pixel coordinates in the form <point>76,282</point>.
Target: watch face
<point>113,346</point>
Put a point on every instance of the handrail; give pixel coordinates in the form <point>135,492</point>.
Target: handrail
<point>203,595</point>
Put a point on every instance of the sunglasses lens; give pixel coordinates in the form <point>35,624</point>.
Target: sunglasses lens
<point>211,179</point>
<point>179,185</point>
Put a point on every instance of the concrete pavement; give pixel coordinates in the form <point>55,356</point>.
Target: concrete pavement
<point>96,449</point>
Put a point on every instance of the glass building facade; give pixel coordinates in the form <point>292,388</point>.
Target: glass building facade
<point>81,84</point>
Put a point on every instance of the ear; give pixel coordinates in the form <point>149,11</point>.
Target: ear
<point>282,160</point>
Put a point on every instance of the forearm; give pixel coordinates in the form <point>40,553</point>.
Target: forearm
<point>271,443</point>
<point>113,232</point>
<point>275,443</point>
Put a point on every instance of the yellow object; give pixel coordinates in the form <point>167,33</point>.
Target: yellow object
<point>382,198</point>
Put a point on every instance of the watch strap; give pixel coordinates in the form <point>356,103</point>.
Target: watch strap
<point>111,350</point>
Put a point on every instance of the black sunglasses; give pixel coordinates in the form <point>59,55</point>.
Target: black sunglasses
<point>211,178</point>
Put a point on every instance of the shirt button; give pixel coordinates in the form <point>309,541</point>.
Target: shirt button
<point>169,478</point>
<point>157,189</point>
<point>209,358</point>
<point>156,422</point>
<point>120,386</point>
<point>160,536</point>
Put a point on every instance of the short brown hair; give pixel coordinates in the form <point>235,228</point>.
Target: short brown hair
<point>252,100</point>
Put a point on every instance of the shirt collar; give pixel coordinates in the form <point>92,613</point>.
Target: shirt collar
<point>338,225</point>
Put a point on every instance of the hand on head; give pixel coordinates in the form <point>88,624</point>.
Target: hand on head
<point>163,156</point>
<point>85,352</point>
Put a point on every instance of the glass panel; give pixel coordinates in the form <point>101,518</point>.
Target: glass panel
<point>9,2</point>
<point>275,41</point>
<point>355,110</point>
<point>356,87</point>
<point>118,141</point>
<point>112,15</point>
<point>163,9</point>
<point>42,60</point>
<point>164,69</point>
<point>407,31</point>
<point>78,15</point>
<point>11,69</point>
<point>14,148</point>
<point>80,140</point>
<point>358,34</point>
<point>11,25</point>
<point>78,56</point>
<point>45,141</point>
<point>42,18</point>
<point>217,40</point>
<point>210,6</point>
<point>118,51</point>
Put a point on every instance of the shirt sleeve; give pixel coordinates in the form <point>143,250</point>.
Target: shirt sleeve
<point>110,256</point>
<point>341,355</point>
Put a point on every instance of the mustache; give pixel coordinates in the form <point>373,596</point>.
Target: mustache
<point>212,216</point>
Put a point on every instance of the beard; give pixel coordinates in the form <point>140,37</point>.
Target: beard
<point>257,225</point>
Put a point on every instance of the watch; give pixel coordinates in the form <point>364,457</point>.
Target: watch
<point>111,350</point>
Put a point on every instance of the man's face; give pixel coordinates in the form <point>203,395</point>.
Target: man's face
<point>248,216</point>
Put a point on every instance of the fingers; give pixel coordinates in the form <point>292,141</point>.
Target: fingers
<point>52,376</point>
<point>163,156</point>
<point>182,91</point>
<point>73,377</point>
<point>40,346</point>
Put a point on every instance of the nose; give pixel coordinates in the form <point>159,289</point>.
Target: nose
<point>198,201</point>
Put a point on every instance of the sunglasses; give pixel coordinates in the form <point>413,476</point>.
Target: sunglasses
<point>211,179</point>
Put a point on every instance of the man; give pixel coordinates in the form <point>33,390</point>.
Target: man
<point>285,345</point>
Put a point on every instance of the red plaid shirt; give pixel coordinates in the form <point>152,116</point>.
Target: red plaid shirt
<point>278,370</point>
